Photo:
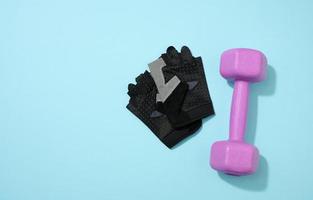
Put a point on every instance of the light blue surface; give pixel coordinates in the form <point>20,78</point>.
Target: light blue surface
<point>65,132</point>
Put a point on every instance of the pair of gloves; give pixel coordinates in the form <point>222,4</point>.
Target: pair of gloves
<point>173,97</point>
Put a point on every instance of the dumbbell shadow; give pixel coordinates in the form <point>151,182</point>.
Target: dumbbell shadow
<point>265,88</point>
<point>257,181</point>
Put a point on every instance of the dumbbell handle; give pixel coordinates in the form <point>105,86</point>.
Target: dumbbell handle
<point>239,109</point>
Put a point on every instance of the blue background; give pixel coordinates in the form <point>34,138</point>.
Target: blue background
<point>65,132</point>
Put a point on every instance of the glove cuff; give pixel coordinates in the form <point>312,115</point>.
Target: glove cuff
<point>168,136</point>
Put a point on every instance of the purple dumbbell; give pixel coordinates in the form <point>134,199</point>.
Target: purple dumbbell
<point>234,156</point>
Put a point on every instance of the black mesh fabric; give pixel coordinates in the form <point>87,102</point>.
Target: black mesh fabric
<point>142,103</point>
<point>197,102</point>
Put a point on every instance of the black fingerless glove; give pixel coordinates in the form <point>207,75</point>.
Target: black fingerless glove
<point>197,103</point>
<point>173,98</point>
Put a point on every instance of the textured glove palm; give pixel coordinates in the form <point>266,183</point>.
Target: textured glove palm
<point>142,103</point>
